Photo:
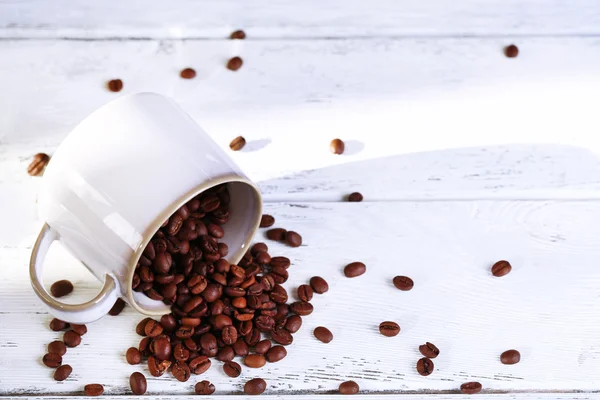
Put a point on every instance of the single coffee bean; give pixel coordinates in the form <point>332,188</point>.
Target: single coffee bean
<point>252,338</point>
<point>61,288</point>
<point>238,143</point>
<point>138,384</point>
<point>71,339</point>
<point>348,387</point>
<point>255,360</point>
<point>204,388</point>
<point>181,371</point>
<point>429,350</point>
<point>226,353</point>
<point>62,372</point>
<point>263,346</point>
<point>470,388</point>
<point>229,335</point>
<point>282,336</point>
<point>162,263</point>
<point>147,276</point>
<point>305,293</point>
<point>232,369</point>
<point>38,164</point>
<point>403,283</point>
<point>293,323</point>
<point>140,329</point>
<point>52,360</point>
<point>510,357</point>
<point>511,51</point>
<point>234,64</point>
<point>93,389</point>
<point>115,85</point>
<point>424,366</point>
<point>144,346</point>
<point>276,234</point>
<point>188,73</point>
<point>259,247</point>
<point>318,284</point>
<point>267,221</point>
<point>133,356</point>
<point>323,334</point>
<point>280,275</point>
<point>336,146</point>
<point>79,329</point>
<point>255,386</point>
<point>239,34</point>
<point>262,258</point>
<point>153,328</point>
<point>190,344</point>
<point>223,249</point>
<point>302,308</point>
<point>157,368</point>
<point>208,343</point>
<point>389,328</point>
<point>117,307</point>
<point>354,269</point>
<point>200,365</point>
<point>161,347</point>
<point>293,239</point>
<point>58,325</point>
<point>501,268</point>
<point>355,197</point>
<point>168,322</point>
<point>276,353</point>
<point>281,262</point>
<point>57,347</point>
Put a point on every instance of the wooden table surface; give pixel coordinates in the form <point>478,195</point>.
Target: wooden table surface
<point>463,155</point>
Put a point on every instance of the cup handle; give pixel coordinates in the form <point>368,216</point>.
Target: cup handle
<point>75,313</point>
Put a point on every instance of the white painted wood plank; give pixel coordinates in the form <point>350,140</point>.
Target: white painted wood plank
<point>546,308</point>
<point>286,18</point>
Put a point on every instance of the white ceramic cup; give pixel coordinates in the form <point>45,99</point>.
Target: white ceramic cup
<point>113,182</point>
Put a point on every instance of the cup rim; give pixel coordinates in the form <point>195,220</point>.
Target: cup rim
<point>168,212</point>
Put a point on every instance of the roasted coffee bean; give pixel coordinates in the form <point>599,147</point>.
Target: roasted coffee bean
<point>38,164</point>
<point>354,269</point>
<point>58,325</point>
<point>215,231</point>
<point>62,372</point>
<point>424,366</point>
<point>192,304</point>
<point>209,203</point>
<point>255,361</point>
<point>470,388</point>
<point>135,282</point>
<point>61,288</point>
<point>226,353</point>
<point>239,34</point>
<point>204,388</point>
<point>145,262</point>
<point>149,252</point>
<point>156,367</point>
<point>117,307</point>
<point>229,335</point>
<point>200,365</point>
<point>93,389</point>
<point>223,249</point>
<point>501,268</point>
<point>144,346</point>
<point>187,73</point>
<point>429,350</point>
<point>190,344</point>
<point>222,266</point>
<point>197,284</point>
<point>510,357</point>
<point>511,51</point>
<point>319,285</point>
<point>305,293</point>
<point>259,247</point>
<point>389,328</point>
<point>348,387</point>
<point>282,311</point>
<point>336,146</point>
<point>180,353</point>
<point>293,323</point>
<point>140,329</point>
<point>239,302</point>
<point>234,63</point>
<point>153,328</point>
<point>57,347</point>
<point>276,353</point>
<point>154,295</point>
<point>168,322</point>
<point>355,197</point>
<point>255,386</point>
<point>240,347</point>
<point>133,356</point>
<point>279,261</point>
<point>252,338</point>
<point>232,369</point>
<point>181,371</point>
<point>161,347</point>
<point>221,321</point>
<point>208,343</point>
<point>301,308</point>
<point>267,221</point>
<point>282,336</point>
<point>279,294</point>
<point>71,339</point>
<point>144,286</point>
<point>262,258</point>
<point>184,332</point>
<point>280,275</point>
<point>264,323</point>
<point>238,143</point>
<point>162,263</point>
<point>138,384</point>
<point>323,334</point>
<point>262,347</point>
<point>173,227</point>
<point>52,360</point>
<point>115,85</point>
<point>146,275</point>
<point>276,234</point>
<point>293,239</point>
<point>211,293</point>
<point>403,283</point>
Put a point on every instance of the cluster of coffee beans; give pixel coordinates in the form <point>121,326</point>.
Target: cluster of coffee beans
<point>57,349</point>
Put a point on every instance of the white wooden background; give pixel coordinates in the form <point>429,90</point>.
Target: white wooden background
<point>463,156</point>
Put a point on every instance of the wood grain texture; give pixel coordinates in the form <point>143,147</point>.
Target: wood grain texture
<point>546,307</point>
<point>286,18</point>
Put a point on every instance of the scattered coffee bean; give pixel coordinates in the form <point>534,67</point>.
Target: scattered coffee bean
<point>181,371</point>
<point>62,372</point>
<point>429,350</point>
<point>239,34</point>
<point>355,269</point>
<point>117,307</point>
<point>156,367</point>
<point>238,143</point>
<point>153,328</point>
<point>293,239</point>
<point>200,365</point>
<point>276,234</point>
<point>510,357</point>
<point>79,329</point>
<point>226,353</point>
<point>336,146</point>
<point>267,221</point>
<point>501,268</point>
<point>470,388</point>
<point>255,386</point>
<point>115,85</point>
<point>319,285</point>
<point>323,334</point>
<point>424,366</point>
<point>204,388</point>
<point>71,339</point>
<point>280,262</point>
<point>355,197</point>
<point>58,325</point>
<point>140,329</point>
<point>57,347</point>
<point>302,308</point>
<point>232,369</point>
<point>240,347</point>
<point>293,323</point>
<point>403,283</point>
<point>61,288</point>
<point>138,384</point>
<point>52,360</point>
<point>93,389</point>
<point>349,387</point>
<point>255,360</point>
<point>37,165</point>
<point>511,51</point>
<point>305,293</point>
<point>389,328</point>
<point>188,73</point>
<point>234,63</point>
<point>276,353</point>
<point>133,356</point>
<point>262,347</point>
<point>168,322</point>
